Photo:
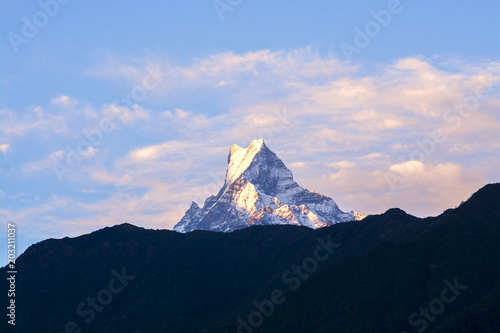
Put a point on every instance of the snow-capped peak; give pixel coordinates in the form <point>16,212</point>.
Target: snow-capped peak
<point>259,189</point>
<point>239,159</point>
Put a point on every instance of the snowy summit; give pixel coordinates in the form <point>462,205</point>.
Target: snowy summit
<point>259,190</point>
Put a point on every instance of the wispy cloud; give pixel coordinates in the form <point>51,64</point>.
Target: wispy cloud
<point>45,163</point>
<point>227,69</point>
<point>125,114</point>
<point>35,119</point>
<point>4,147</point>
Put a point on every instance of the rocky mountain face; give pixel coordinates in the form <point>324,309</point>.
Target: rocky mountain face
<point>259,190</point>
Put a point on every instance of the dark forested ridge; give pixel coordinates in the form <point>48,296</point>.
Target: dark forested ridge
<point>375,275</point>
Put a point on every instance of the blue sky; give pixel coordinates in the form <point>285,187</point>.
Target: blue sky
<point>402,114</point>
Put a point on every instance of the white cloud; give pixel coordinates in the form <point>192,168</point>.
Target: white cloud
<point>89,152</point>
<point>87,191</point>
<point>147,153</point>
<point>169,151</point>
<point>297,165</point>
<point>45,163</point>
<point>114,68</point>
<point>126,115</point>
<point>406,169</point>
<point>4,147</point>
<point>18,124</point>
<point>342,165</point>
<point>262,67</point>
<point>63,101</point>
<point>372,156</point>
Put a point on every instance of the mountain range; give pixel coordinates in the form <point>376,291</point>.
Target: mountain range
<point>260,190</point>
<point>387,273</point>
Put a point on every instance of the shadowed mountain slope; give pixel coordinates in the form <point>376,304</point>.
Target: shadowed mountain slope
<point>381,271</point>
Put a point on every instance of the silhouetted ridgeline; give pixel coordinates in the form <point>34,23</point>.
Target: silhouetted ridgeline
<point>388,273</point>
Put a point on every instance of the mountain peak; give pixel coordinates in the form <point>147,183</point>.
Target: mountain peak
<point>255,144</point>
<point>126,226</point>
<point>260,190</point>
<point>240,158</point>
